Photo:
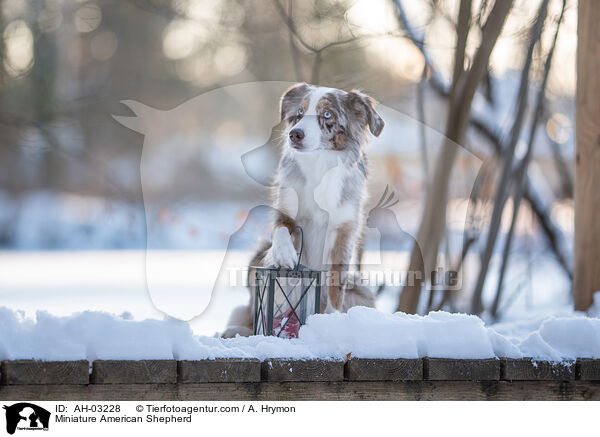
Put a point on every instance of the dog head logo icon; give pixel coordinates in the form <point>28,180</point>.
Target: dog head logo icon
<point>26,416</point>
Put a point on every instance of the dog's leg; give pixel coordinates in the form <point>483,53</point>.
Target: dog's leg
<point>282,252</point>
<point>358,295</point>
<point>240,323</point>
<point>340,259</point>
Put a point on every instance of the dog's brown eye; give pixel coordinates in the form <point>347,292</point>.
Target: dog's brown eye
<point>300,111</point>
<point>327,114</point>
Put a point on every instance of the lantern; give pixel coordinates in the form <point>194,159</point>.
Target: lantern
<point>284,298</point>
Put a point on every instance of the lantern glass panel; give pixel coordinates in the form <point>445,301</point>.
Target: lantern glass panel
<point>284,299</point>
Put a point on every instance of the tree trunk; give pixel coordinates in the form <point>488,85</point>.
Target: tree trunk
<point>587,157</point>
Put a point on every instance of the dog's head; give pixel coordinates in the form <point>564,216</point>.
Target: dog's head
<point>321,118</point>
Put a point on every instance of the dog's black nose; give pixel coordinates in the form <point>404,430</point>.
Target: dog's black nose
<point>296,135</point>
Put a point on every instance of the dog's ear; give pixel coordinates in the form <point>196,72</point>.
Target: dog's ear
<point>292,98</point>
<point>363,108</point>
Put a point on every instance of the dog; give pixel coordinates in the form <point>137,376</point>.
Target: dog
<point>320,186</point>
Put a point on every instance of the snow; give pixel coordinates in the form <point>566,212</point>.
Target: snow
<point>362,332</point>
<point>67,282</point>
<point>49,220</point>
<point>69,299</point>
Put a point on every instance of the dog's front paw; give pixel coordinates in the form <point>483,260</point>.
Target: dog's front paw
<point>283,250</point>
<point>335,298</point>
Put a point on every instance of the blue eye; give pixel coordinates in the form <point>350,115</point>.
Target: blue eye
<point>327,114</point>
<point>300,111</point>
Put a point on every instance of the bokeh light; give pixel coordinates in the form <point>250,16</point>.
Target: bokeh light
<point>88,18</point>
<point>559,128</point>
<point>182,37</point>
<point>18,40</point>
<point>104,45</point>
<point>231,59</point>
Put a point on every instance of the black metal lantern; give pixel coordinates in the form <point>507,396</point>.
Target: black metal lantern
<point>284,298</point>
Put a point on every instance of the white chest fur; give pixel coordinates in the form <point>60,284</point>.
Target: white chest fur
<point>325,178</point>
<point>317,203</point>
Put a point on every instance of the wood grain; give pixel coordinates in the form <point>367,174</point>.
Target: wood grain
<point>365,369</point>
<point>447,369</point>
<point>586,268</point>
<point>588,369</point>
<point>302,370</point>
<point>219,370</point>
<point>526,369</point>
<point>44,372</point>
<point>134,372</point>
<point>289,391</point>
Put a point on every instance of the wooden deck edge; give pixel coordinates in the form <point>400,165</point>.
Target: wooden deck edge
<point>528,369</point>
<point>450,369</point>
<point>281,370</point>
<point>237,370</point>
<point>298,391</point>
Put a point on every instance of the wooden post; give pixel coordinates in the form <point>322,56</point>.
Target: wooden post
<point>586,270</point>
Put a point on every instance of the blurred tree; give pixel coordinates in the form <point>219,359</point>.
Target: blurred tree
<point>43,103</point>
<point>506,176</point>
<point>463,89</point>
<point>518,174</point>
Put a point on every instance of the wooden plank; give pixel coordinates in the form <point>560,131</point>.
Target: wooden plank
<point>365,369</point>
<point>526,369</point>
<point>586,268</point>
<point>447,369</point>
<point>588,369</point>
<point>289,391</point>
<point>134,372</point>
<point>45,372</point>
<point>219,370</point>
<point>276,369</point>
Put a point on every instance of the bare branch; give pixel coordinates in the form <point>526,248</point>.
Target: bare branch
<point>423,130</point>
<point>493,134</point>
<point>551,231</point>
<point>292,26</point>
<point>436,80</point>
<point>564,172</point>
<point>462,33</point>
<point>502,190</point>
<point>317,51</point>
<point>433,226</point>
<point>519,177</point>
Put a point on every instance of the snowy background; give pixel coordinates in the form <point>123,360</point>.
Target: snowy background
<point>85,201</point>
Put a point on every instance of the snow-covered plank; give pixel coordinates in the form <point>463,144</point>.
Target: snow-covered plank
<point>276,369</point>
<point>134,372</point>
<point>365,369</point>
<point>527,369</point>
<point>219,370</point>
<point>588,369</point>
<point>44,372</point>
<point>449,369</point>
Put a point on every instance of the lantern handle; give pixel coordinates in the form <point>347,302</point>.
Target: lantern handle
<point>297,227</point>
